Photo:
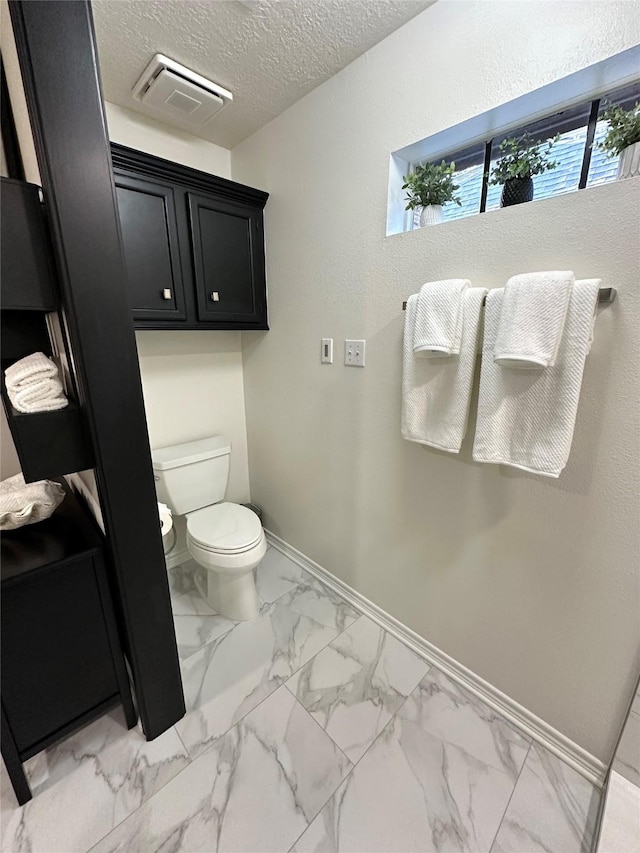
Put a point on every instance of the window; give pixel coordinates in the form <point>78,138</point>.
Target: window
<point>568,152</point>
<point>469,168</point>
<point>603,169</point>
<point>581,163</point>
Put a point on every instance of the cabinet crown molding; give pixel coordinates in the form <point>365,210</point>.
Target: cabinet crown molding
<point>157,167</point>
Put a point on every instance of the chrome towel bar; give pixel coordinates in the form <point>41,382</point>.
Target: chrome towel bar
<point>606,296</point>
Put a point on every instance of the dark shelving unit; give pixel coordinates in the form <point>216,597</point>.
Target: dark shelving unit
<point>28,281</point>
<point>48,444</point>
<point>62,663</point>
<point>92,333</point>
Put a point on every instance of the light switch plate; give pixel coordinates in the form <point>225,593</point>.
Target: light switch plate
<point>326,351</point>
<point>354,353</point>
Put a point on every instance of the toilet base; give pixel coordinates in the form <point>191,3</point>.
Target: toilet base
<point>227,581</point>
<point>232,596</point>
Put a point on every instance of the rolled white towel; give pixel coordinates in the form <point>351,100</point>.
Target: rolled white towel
<point>33,385</point>
<point>438,318</point>
<point>45,389</point>
<point>44,396</point>
<point>32,368</point>
<point>46,404</point>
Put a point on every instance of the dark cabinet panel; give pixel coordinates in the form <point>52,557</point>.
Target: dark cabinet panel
<point>27,270</point>
<point>152,255</point>
<point>49,444</point>
<point>69,659</point>
<point>225,242</point>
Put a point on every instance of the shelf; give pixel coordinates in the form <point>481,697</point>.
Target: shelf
<point>27,267</point>
<point>67,534</point>
<point>23,332</point>
<point>48,444</point>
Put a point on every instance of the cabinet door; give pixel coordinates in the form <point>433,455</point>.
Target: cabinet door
<point>56,658</point>
<point>228,261</point>
<point>150,239</point>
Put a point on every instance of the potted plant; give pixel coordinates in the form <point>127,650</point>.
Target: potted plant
<point>520,160</point>
<point>623,139</point>
<point>430,187</point>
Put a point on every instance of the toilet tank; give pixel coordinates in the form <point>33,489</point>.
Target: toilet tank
<point>192,475</point>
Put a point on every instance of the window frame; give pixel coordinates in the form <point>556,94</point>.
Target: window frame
<point>594,112</point>
<point>579,97</point>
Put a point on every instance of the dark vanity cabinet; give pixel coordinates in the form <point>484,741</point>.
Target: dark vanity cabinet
<point>193,245</point>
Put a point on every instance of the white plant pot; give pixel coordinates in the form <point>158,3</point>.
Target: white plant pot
<point>629,164</point>
<point>431,215</point>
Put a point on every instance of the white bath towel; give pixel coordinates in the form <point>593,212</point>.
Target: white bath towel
<point>32,368</point>
<point>46,395</point>
<point>526,418</point>
<point>33,385</point>
<point>534,309</point>
<point>438,322</point>
<point>436,392</point>
<point>25,503</point>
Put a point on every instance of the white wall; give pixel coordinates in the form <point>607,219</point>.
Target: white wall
<point>192,385</point>
<point>17,96</point>
<point>531,583</point>
<point>9,462</point>
<point>192,381</point>
<point>145,134</point>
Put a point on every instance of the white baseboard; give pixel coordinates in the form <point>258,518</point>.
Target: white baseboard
<point>174,558</point>
<point>528,723</point>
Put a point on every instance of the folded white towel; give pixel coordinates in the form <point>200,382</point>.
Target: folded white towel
<point>438,323</point>
<point>33,385</point>
<point>34,391</point>
<point>44,396</point>
<point>32,368</point>
<point>526,418</point>
<point>534,309</point>
<point>436,392</point>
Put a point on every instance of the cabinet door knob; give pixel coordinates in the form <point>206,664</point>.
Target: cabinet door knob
<point>215,296</point>
<point>166,293</point>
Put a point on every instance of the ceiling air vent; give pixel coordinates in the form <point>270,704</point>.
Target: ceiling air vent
<point>175,90</point>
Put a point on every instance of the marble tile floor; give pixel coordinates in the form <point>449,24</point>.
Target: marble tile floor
<point>308,729</point>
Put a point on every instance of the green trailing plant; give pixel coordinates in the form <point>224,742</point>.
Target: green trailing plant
<point>623,130</point>
<point>431,183</point>
<point>522,158</point>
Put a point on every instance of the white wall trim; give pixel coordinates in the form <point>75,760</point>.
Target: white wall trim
<point>528,723</point>
<point>175,558</point>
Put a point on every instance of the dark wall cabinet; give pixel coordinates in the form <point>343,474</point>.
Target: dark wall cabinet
<point>193,245</point>
<point>150,240</point>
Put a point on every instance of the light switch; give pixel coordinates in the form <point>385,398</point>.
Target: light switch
<point>326,351</point>
<point>354,353</point>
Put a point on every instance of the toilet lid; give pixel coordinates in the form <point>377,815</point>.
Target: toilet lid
<point>224,527</point>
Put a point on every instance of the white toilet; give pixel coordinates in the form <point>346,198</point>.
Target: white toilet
<point>225,539</point>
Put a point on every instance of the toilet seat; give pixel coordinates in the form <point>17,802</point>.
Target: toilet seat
<point>224,528</point>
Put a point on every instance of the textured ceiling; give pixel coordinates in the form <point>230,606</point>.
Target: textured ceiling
<point>269,53</point>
